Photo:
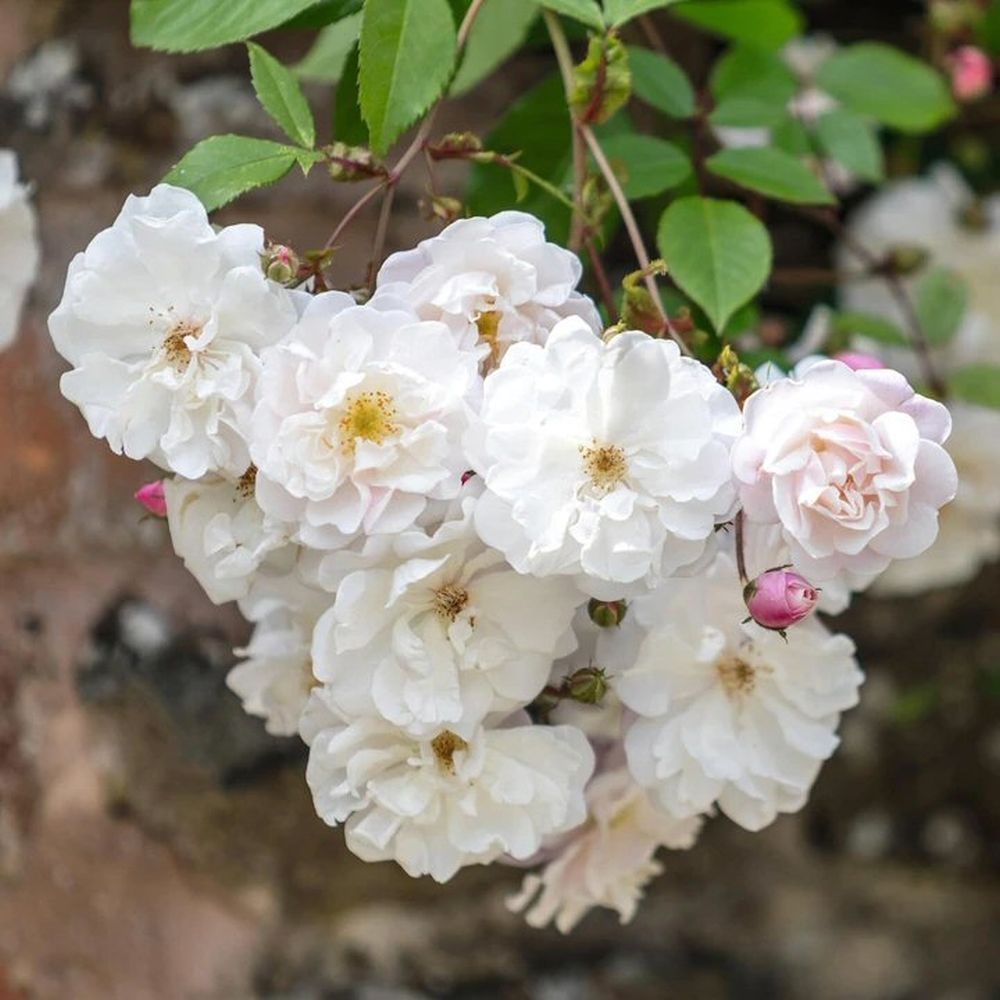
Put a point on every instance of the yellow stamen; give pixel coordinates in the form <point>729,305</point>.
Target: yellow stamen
<point>605,465</point>
<point>369,415</point>
<point>737,676</point>
<point>175,347</point>
<point>450,601</point>
<point>445,745</point>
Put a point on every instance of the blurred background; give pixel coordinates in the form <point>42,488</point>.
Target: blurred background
<point>156,843</point>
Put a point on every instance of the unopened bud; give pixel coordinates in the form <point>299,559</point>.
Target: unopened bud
<point>455,145</point>
<point>639,310</point>
<point>779,598</point>
<point>467,475</point>
<point>737,377</point>
<point>352,163</point>
<point>607,614</point>
<point>280,263</point>
<point>602,83</point>
<point>971,73</point>
<point>440,206</point>
<point>153,498</point>
<point>906,258</point>
<point>859,361</point>
<point>587,686</point>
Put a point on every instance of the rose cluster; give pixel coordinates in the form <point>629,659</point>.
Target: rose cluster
<point>492,554</point>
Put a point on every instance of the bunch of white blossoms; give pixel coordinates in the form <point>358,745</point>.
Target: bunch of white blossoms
<point>486,549</point>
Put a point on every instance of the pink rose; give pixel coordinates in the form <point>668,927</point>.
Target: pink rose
<point>849,463</point>
<point>971,73</point>
<point>779,598</point>
<point>152,497</point>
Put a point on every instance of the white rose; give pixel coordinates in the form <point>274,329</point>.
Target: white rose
<point>849,463</point>
<point>440,631</point>
<point>436,804</point>
<point>359,421</point>
<point>162,319</point>
<point>969,536</point>
<point>494,282</point>
<point>19,250</point>
<point>607,462</point>
<point>609,860</point>
<point>730,714</point>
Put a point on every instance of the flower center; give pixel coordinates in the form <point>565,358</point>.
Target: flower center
<point>445,745</point>
<point>488,324</point>
<point>449,601</point>
<point>369,415</point>
<point>605,465</point>
<point>737,676</point>
<point>247,483</point>
<point>175,348</point>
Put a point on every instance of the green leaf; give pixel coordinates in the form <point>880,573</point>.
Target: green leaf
<point>852,142</point>
<point>873,327</point>
<point>193,25</point>
<point>602,83</point>
<point>717,252</point>
<point>747,112</point>
<point>651,165</point>
<point>323,13</point>
<point>750,73</point>
<point>587,11</point>
<point>888,85</point>
<point>325,61</point>
<point>941,299</point>
<point>497,33</point>
<point>988,30</point>
<point>979,384</point>
<point>281,95</point>
<point>617,12</point>
<point>222,167</point>
<point>661,83</point>
<point>348,125</point>
<point>765,23</point>
<point>771,172</point>
<point>407,56</point>
<point>791,136</point>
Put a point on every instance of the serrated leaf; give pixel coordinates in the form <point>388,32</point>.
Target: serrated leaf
<point>618,12</point>
<point>852,142</point>
<point>652,165</point>
<point>325,61</point>
<point>407,54</point>
<point>873,327</point>
<point>323,13</point>
<point>751,73</point>
<point>764,23</point>
<point>497,33</point>
<point>223,167</point>
<point>348,125</point>
<point>979,384</point>
<point>281,95</point>
<point>771,172</point>
<point>661,83</point>
<point>941,299</point>
<point>193,25</point>
<point>587,11</point>
<point>746,112</point>
<point>717,252</point>
<point>888,85</point>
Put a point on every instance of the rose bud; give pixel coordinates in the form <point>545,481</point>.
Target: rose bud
<point>858,361</point>
<point>152,497</point>
<point>587,686</point>
<point>779,598</point>
<point>971,73</point>
<point>280,263</point>
<point>607,614</point>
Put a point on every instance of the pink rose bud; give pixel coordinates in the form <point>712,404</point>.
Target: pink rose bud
<point>858,361</point>
<point>779,598</point>
<point>971,73</point>
<point>152,497</point>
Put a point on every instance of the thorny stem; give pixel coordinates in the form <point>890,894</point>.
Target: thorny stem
<point>564,57</point>
<point>741,563</point>
<point>418,143</point>
<point>565,60</point>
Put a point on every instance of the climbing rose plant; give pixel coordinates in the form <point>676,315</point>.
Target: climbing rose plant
<point>534,574</point>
